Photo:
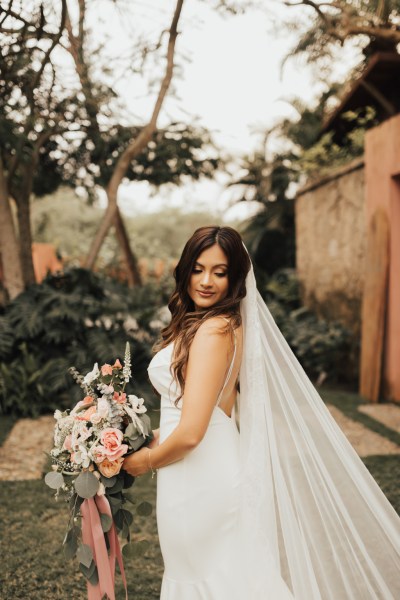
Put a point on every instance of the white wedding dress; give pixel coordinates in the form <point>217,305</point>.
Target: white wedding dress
<point>284,509</point>
<point>198,501</point>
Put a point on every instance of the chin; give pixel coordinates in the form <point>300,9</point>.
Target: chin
<point>204,302</point>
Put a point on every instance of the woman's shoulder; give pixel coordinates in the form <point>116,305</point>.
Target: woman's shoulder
<point>219,324</point>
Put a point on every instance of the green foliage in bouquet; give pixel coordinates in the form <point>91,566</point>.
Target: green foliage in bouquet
<point>322,347</point>
<point>75,318</point>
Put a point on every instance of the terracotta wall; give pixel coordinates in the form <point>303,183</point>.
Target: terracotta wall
<point>382,160</point>
<point>330,244</point>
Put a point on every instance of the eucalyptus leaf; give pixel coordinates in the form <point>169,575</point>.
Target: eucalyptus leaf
<point>128,516</point>
<point>128,479</point>
<point>106,522</point>
<point>85,555</point>
<point>108,482</point>
<point>146,423</point>
<point>131,431</point>
<point>117,487</point>
<point>71,542</point>
<point>94,578</point>
<point>75,504</point>
<point>54,480</point>
<point>136,443</point>
<point>130,497</point>
<point>144,509</point>
<point>89,571</point>
<point>123,520</point>
<point>115,503</point>
<point>86,485</point>
<point>135,549</point>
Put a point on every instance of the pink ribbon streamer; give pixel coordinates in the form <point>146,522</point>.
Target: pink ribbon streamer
<point>93,536</point>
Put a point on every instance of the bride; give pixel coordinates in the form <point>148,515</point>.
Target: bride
<point>259,494</point>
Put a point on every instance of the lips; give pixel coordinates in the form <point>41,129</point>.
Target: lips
<point>205,294</point>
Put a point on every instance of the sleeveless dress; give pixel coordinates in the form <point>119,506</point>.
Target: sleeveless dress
<point>198,501</point>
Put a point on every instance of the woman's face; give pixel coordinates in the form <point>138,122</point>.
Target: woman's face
<point>209,283</point>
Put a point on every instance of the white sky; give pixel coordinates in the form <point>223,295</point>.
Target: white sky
<point>231,83</point>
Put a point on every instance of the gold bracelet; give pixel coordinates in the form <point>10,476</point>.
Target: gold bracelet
<point>153,472</point>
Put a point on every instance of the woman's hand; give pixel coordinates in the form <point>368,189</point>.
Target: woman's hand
<point>137,463</point>
<point>156,439</point>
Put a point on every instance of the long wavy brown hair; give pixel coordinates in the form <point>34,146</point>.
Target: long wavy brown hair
<point>185,319</point>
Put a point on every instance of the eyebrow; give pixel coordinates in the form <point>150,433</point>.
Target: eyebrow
<point>214,266</point>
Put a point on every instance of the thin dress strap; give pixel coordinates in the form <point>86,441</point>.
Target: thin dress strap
<point>230,366</point>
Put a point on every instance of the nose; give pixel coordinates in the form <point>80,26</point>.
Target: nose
<point>206,279</point>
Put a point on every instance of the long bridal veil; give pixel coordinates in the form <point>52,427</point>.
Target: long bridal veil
<point>311,513</point>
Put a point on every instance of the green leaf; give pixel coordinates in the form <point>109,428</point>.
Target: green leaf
<point>108,481</point>
<point>137,442</point>
<point>128,479</point>
<point>117,487</point>
<point>144,509</point>
<point>123,516</point>
<point>54,480</point>
<point>90,572</point>
<point>130,497</point>
<point>86,485</point>
<point>146,424</point>
<point>71,542</point>
<point>94,578</point>
<point>106,521</point>
<point>135,549</point>
<point>115,503</point>
<point>85,555</point>
<point>131,431</point>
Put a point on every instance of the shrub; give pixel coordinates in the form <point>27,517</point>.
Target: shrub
<point>322,347</point>
<point>76,319</point>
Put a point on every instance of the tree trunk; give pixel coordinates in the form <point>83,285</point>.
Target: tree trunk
<point>25,240</point>
<point>136,146</point>
<point>134,277</point>
<point>11,263</point>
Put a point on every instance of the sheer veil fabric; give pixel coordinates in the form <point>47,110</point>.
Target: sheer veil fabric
<point>310,511</point>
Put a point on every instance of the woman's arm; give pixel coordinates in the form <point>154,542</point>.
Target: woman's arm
<point>208,361</point>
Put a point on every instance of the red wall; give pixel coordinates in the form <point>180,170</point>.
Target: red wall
<point>382,178</point>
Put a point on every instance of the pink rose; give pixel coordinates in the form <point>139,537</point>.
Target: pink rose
<point>85,416</point>
<point>106,369</point>
<point>87,400</point>
<point>110,468</point>
<point>111,440</point>
<point>119,397</point>
<point>117,364</point>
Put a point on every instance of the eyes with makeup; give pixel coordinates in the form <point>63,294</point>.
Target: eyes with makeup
<point>221,274</point>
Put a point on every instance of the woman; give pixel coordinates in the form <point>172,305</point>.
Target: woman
<point>285,509</point>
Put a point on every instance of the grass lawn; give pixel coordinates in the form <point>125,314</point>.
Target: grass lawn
<point>32,527</point>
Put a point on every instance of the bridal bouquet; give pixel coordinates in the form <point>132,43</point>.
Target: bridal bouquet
<point>90,443</point>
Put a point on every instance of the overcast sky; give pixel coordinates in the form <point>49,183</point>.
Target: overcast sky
<point>230,81</point>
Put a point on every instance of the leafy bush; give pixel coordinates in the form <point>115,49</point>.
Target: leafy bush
<point>76,319</point>
<point>322,347</point>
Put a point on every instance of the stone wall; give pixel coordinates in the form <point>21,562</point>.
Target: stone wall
<point>330,244</point>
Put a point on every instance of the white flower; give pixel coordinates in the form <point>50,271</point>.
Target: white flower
<point>90,377</point>
<point>137,404</point>
<point>85,432</point>
<point>135,419</point>
<point>103,407</point>
<point>102,490</point>
<point>105,389</point>
<point>96,418</point>
<point>58,414</point>
<point>81,457</point>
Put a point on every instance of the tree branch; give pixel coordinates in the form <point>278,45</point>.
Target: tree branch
<point>52,45</point>
<point>137,145</point>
